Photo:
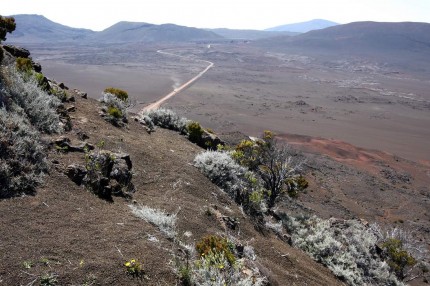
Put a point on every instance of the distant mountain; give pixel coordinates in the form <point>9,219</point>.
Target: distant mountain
<point>304,27</point>
<point>362,37</point>
<point>38,29</point>
<point>249,34</point>
<point>405,45</point>
<point>128,32</point>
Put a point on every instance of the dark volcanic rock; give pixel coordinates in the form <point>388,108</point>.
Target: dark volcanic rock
<point>17,52</point>
<point>76,173</point>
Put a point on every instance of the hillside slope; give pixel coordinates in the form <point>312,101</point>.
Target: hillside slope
<point>68,233</point>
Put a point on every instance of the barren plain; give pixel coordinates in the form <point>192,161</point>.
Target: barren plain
<point>363,124</point>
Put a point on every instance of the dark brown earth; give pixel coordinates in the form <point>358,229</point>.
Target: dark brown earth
<point>67,231</point>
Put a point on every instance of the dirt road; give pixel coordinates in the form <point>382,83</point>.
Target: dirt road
<point>158,103</point>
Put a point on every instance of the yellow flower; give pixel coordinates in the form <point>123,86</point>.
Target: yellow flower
<point>133,261</point>
<point>128,264</point>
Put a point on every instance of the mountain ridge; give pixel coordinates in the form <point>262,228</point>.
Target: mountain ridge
<point>303,27</point>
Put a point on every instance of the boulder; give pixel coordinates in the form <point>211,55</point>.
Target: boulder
<point>210,141</point>
<point>109,174</point>
<point>81,93</point>
<point>37,67</point>
<point>76,173</point>
<point>17,52</point>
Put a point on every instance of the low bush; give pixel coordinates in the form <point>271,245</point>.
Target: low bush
<point>115,109</point>
<point>220,264</point>
<point>24,64</point>
<point>119,93</point>
<point>213,245</point>
<point>239,183</point>
<point>164,221</point>
<point>22,156</point>
<point>168,119</point>
<point>195,132</point>
<point>347,248</point>
<point>26,94</point>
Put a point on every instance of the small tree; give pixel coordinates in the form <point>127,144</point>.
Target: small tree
<point>7,25</point>
<point>276,167</point>
<point>271,160</point>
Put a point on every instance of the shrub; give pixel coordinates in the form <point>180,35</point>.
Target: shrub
<point>119,93</point>
<point>195,131</point>
<point>134,267</point>
<point>22,156</point>
<point>273,164</point>
<point>218,265</point>
<point>114,112</point>
<point>222,170</point>
<point>347,248</point>
<point>166,118</point>
<point>165,222</point>
<point>39,107</point>
<point>398,258</point>
<point>216,246</point>
<point>24,64</point>
<point>401,249</point>
<point>116,109</point>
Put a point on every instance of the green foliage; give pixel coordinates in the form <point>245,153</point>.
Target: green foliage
<point>134,267</point>
<point>48,280</point>
<point>213,245</point>
<point>24,64</point>
<point>185,275</point>
<point>397,258</point>
<point>195,131</point>
<point>119,93</point>
<point>7,25</point>
<point>114,112</point>
<point>295,185</point>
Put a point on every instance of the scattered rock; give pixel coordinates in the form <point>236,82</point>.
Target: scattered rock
<point>82,135</point>
<point>37,67</point>
<point>63,86</point>
<point>230,222</point>
<point>63,144</point>
<point>17,52</point>
<point>81,93</point>
<point>71,108</point>
<point>76,173</point>
<point>301,103</point>
<point>210,141</point>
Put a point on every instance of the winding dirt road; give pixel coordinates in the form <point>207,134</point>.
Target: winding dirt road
<point>158,103</point>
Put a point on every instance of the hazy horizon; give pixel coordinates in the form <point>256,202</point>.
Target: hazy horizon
<point>97,15</point>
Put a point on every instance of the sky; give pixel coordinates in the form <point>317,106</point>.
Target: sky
<point>235,14</point>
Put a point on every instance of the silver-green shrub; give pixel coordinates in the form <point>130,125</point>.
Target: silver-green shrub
<point>22,156</point>
<point>215,270</point>
<point>116,109</point>
<point>164,221</point>
<point>26,94</point>
<point>348,248</point>
<point>222,170</point>
<point>167,118</point>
